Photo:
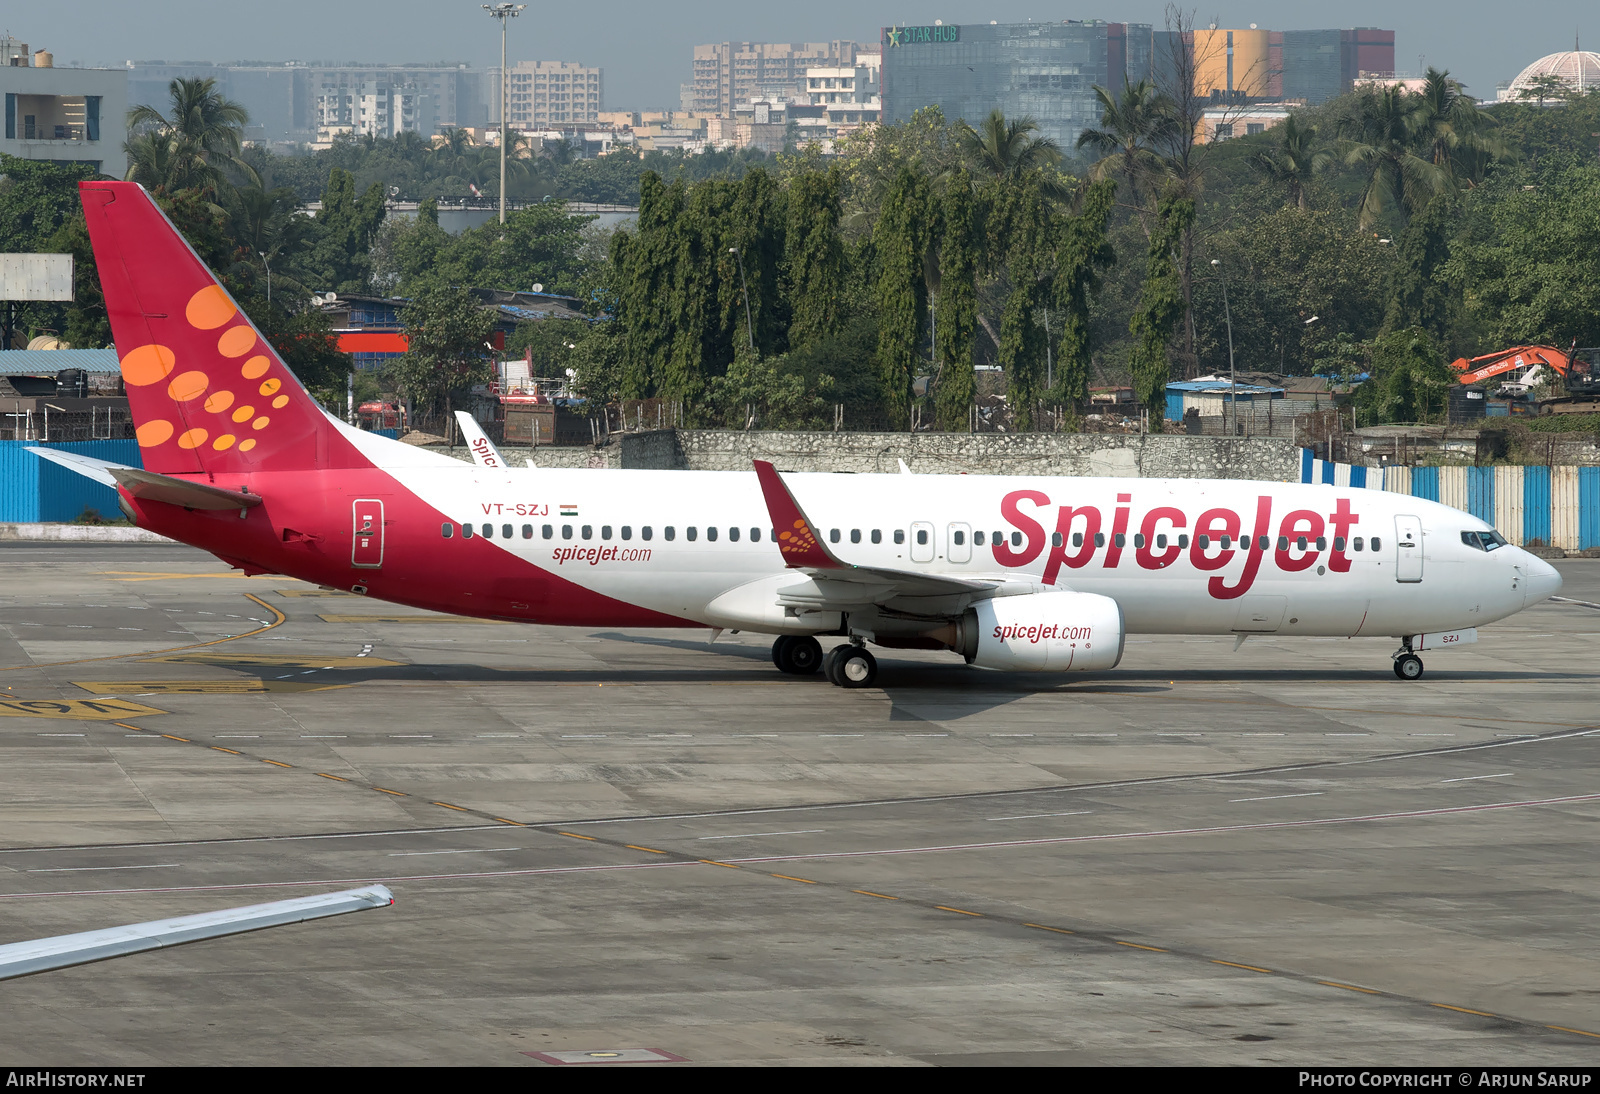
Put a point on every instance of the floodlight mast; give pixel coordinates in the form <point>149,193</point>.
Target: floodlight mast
<point>503,12</point>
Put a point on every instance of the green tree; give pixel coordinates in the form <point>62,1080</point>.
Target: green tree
<point>814,258</point>
<point>1385,142</point>
<point>1006,150</point>
<point>1082,251</point>
<point>957,315</point>
<point>1133,123</point>
<point>1293,161</point>
<point>901,240</point>
<point>448,351</point>
<point>1028,227</point>
<point>1160,307</point>
<point>1422,296</point>
<point>195,145</point>
<point>1410,381</point>
<point>340,257</point>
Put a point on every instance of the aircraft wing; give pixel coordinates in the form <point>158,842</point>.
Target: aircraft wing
<point>63,951</point>
<point>835,584</point>
<point>484,453</point>
<point>149,486</point>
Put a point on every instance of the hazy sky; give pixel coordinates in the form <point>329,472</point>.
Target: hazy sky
<point>646,46</point>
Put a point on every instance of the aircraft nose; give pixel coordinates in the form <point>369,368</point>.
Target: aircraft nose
<point>1543,580</point>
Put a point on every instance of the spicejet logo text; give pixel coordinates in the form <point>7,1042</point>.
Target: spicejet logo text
<point>1211,541</point>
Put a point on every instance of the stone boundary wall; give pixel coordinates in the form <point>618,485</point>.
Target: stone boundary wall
<point>1119,455</point>
<point>78,533</point>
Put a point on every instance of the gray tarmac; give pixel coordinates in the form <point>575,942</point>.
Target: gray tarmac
<point>602,841</point>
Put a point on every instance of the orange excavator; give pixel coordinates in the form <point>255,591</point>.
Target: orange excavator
<point>1519,359</point>
<point>1526,367</point>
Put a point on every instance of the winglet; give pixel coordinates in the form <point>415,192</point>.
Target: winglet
<point>484,453</point>
<point>797,538</point>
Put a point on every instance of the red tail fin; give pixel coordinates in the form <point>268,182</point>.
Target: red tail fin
<point>208,393</point>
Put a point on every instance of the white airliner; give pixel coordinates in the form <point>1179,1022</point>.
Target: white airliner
<point>1021,573</point>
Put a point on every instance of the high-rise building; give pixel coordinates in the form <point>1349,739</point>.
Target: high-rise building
<point>62,115</point>
<point>291,100</point>
<point>1232,65</point>
<point>727,73</point>
<point>1047,71</point>
<point>1319,65</point>
<point>542,94</point>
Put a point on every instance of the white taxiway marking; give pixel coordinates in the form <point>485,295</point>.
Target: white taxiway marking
<point>1034,816</point>
<point>470,851</point>
<point>236,736</point>
<point>580,736</point>
<point>1275,797</point>
<point>499,734</point>
<point>410,736</point>
<point>1474,778</point>
<point>752,835</point>
<point>82,869</point>
<point>320,736</point>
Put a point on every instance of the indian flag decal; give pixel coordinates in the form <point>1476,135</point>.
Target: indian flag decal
<point>569,509</point>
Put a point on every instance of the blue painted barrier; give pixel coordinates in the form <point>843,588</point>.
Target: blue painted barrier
<point>33,490</point>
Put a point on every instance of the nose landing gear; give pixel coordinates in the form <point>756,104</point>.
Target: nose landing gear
<point>1407,665</point>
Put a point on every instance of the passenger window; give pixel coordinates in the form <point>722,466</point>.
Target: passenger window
<point>548,532</point>
<point>1358,543</point>
<point>1227,542</point>
<point>605,531</point>
<point>669,531</point>
<point>1138,540</point>
<point>977,539</point>
<point>566,531</point>
<point>1100,539</point>
<point>1055,539</point>
<point>690,533</point>
<point>1300,543</point>
<point>645,532</point>
<point>1183,542</point>
<point>1016,539</point>
<point>711,533</point>
<point>960,538</point>
<point>1322,543</point>
<point>833,535</point>
<point>627,531</point>
<point>527,531</point>
<point>1283,543</point>
<point>899,535</point>
<point>1077,539</point>
<point>466,531</point>
<point>1264,543</point>
<point>506,531</point>
<point>1120,540</point>
<point>998,538</point>
<point>488,531</point>
<point>733,535</point>
<point>1377,544</point>
<point>1202,542</point>
<point>1161,542</point>
<point>447,530</point>
<point>755,535</point>
<point>922,537</point>
<point>877,536</point>
<point>588,531</point>
<point>855,535</point>
<point>1338,543</point>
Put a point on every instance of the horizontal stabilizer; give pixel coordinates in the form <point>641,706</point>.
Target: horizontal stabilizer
<point>149,486</point>
<point>87,466</point>
<point>63,951</point>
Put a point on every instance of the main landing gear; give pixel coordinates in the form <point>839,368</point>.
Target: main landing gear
<point>850,666</point>
<point>1407,665</point>
<point>798,656</point>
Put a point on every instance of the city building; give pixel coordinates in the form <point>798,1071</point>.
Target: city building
<point>291,101</point>
<point>1318,65</point>
<point>1577,70</point>
<point>1233,65</point>
<point>64,115</point>
<point>1220,123</point>
<point>1047,71</point>
<point>729,73</point>
<point>540,94</point>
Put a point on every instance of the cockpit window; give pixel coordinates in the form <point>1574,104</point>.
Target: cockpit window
<point>1483,541</point>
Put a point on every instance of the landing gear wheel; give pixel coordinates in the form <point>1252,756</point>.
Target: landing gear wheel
<point>830,664</point>
<point>798,656</point>
<point>856,668</point>
<point>1408,666</point>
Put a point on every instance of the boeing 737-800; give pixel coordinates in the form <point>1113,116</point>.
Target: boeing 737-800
<point>1024,573</point>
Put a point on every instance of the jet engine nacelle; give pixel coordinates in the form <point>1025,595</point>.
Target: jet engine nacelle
<point>1043,632</point>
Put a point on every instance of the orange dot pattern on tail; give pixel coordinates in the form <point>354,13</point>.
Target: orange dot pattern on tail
<point>154,432</point>
<point>255,368</point>
<point>194,438</point>
<point>209,308</point>
<point>191,385</point>
<point>219,401</point>
<point>798,541</point>
<point>236,341</point>
<point>148,365</point>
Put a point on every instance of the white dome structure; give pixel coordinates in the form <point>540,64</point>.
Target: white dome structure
<point>1579,70</point>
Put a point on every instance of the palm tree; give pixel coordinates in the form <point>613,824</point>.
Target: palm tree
<point>1132,123</point>
<point>202,137</point>
<point>1457,134</point>
<point>1294,161</point>
<point>1388,140</point>
<point>1006,150</point>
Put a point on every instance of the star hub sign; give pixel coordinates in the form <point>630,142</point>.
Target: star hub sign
<point>905,36</point>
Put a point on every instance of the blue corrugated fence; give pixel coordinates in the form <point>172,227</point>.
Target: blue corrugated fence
<point>34,490</point>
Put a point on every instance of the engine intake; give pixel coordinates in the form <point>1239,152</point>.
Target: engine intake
<point>1042,632</point>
